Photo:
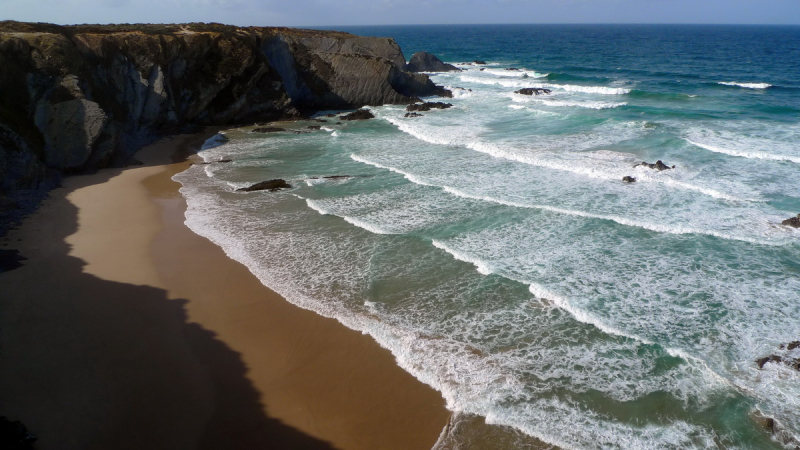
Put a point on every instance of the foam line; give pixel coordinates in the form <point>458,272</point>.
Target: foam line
<point>746,85</point>
<point>498,152</point>
<point>670,229</point>
<point>750,155</point>
<point>602,90</point>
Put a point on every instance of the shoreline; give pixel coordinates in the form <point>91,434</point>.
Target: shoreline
<point>125,329</point>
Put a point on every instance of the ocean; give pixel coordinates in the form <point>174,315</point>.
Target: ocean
<point>494,249</point>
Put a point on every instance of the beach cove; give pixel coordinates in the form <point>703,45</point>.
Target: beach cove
<point>124,329</point>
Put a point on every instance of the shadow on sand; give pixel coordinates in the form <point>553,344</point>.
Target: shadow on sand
<point>87,363</point>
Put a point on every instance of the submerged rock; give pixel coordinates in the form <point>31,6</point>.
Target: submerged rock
<point>413,114</point>
<point>477,61</point>
<point>659,165</point>
<point>533,91</point>
<point>314,127</point>
<point>425,62</point>
<point>361,114</point>
<point>427,106</point>
<point>268,130</point>
<point>792,222</point>
<point>269,185</point>
<point>629,179</point>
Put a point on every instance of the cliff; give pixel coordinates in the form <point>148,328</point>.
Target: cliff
<point>79,98</point>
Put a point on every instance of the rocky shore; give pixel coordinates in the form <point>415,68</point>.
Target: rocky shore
<point>79,98</point>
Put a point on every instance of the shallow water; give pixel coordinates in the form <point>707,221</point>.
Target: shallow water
<point>494,249</point>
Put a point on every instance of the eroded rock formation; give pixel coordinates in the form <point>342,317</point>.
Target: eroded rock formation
<point>425,62</point>
<point>79,98</point>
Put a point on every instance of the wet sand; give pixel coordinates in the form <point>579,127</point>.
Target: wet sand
<point>124,329</point>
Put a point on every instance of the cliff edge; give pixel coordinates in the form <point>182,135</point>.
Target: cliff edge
<point>79,98</point>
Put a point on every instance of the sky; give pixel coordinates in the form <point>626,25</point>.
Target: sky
<point>309,13</point>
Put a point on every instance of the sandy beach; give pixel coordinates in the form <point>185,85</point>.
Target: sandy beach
<point>124,329</point>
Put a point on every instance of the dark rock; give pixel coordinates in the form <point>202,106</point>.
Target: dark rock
<point>792,222</point>
<point>337,177</point>
<point>483,68</point>
<point>320,120</point>
<point>76,99</point>
<point>338,123</point>
<point>15,436</point>
<point>479,62</point>
<point>314,127</point>
<point>791,362</point>
<point>629,179</point>
<point>425,62</point>
<point>269,185</point>
<point>442,92</point>
<point>513,69</point>
<point>413,114</point>
<point>427,106</point>
<point>361,114</point>
<point>330,115</point>
<point>768,359</point>
<point>10,260</point>
<point>532,91</point>
<point>268,130</point>
<point>659,165</point>
<point>791,345</point>
<point>225,160</point>
<point>769,424</point>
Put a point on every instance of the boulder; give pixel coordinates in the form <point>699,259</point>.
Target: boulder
<point>268,130</point>
<point>479,62</point>
<point>532,91</point>
<point>792,222</point>
<point>427,106</point>
<point>314,127</point>
<point>629,179</point>
<point>513,69</point>
<point>361,114</point>
<point>269,185</point>
<point>425,62</point>
<point>442,92</point>
<point>413,114</point>
<point>659,165</point>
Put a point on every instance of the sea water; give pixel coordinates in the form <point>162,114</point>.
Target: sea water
<point>495,250</point>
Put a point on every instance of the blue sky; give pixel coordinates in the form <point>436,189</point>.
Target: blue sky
<point>386,12</point>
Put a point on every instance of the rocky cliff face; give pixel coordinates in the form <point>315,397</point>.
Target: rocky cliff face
<point>79,98</point>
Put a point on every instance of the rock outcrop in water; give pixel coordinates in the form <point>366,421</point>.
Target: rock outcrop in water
<point>425,62</point>
<point>658,165</point>
<point>427,106</point>
<point>80,98</point>
<point>269,185</point>
<point>629,179</point>
<point>532,91</point>
<point>785,359</point>
<point>792,221</point>
<point>361,114</point>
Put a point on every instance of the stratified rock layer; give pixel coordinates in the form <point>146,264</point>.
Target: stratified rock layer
<point>425,62</point>
<point>79,98</point>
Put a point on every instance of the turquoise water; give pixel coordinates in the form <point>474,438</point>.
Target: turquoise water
<point>494,249</point>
